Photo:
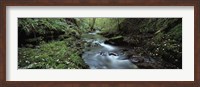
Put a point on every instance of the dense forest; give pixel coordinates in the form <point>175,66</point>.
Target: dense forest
<point>100,43</point>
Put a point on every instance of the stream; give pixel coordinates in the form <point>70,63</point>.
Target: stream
<point>104,56</point>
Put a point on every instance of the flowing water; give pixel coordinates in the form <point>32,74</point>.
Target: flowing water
<point>104,56</point>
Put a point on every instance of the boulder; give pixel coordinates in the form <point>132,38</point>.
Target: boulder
<point>117,40</point>
<point>137,59</point>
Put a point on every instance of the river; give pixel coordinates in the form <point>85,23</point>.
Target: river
<point>104,56</point>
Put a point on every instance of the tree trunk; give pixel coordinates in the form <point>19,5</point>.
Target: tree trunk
<point>92,26</point>
<point>71,21</point>
<point>118,23</point>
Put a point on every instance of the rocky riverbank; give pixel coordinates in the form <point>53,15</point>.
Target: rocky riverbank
<point>159,39</point>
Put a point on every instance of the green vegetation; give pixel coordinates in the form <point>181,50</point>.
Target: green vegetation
<point>49,43</point>
<point>42,25</point>
<point>108,25</point>
<point>50,55</point>
<point>45,43</point>
<point>159,38</point>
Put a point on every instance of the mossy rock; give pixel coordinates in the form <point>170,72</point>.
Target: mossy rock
<point>117,40</point>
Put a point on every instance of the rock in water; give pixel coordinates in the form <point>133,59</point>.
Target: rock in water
<point>112,53</point>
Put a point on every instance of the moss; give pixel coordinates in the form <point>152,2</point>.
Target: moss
<point>50,55</point>
<point>41,25</point>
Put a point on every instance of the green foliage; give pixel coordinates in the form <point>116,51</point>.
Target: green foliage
<point>84,24</point>
<point>41,25</point>
<point>176,32</point>
<point>159,38</point>
<point>108,25</point>
<point>54,55</point>
<point>103,24</point>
